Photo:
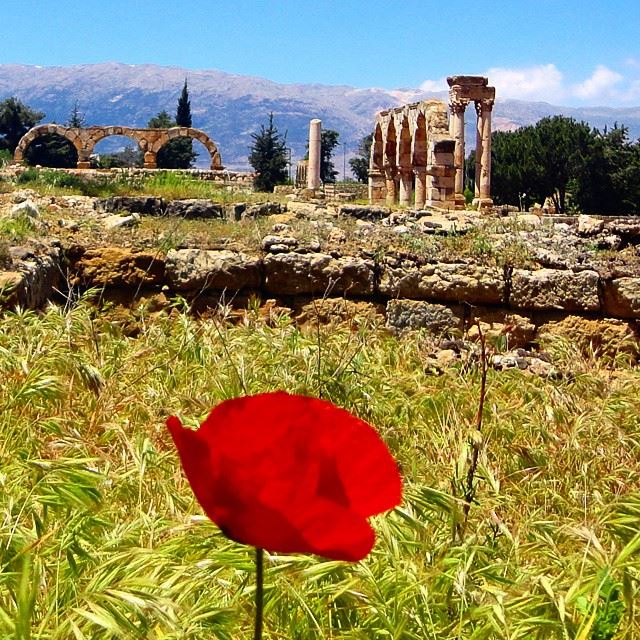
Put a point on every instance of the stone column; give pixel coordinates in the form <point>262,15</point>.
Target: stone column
<point>313,169</point>
<point>456,129</point>
<point>83,158</point>
<point>405,187</point>
<point>485,176</point>
<point>150,161</point>
<point>390,179</point>
<point>479,141</point>
<point>421,187</point>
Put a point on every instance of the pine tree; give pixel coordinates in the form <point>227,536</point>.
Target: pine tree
<point>16,118</point>
<point>268,157</point>
<point>76,119</point>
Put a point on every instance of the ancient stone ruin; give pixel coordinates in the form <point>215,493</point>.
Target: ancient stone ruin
<point>417,155</point>
<point>150,141</point>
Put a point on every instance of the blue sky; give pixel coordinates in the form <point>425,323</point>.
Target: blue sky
<point>572,52</point>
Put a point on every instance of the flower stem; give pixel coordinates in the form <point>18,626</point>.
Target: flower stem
<point>257,632</point>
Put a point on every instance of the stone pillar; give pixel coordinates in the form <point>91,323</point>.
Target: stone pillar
<point>421,187</point>
<point>482,198</point>
<point>485,177</point>
<point>83,158</point>
<point>456,129</point>
<point>390,178</point>
<point>313,169</point>
<point>377,186</point>
<point>150,160</point>
<point>405,187</point>
<point>479,140</point>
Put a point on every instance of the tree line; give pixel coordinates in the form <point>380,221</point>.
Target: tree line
<point>580,168</point>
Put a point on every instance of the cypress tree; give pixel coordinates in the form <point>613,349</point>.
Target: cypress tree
<point>178,153</point>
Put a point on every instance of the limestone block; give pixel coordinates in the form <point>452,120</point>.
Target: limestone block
<point>117,267</point>
<point>622,297</point>
<point>554,289</point>
<point>194,208</point>
<point>318,273</point>
<point>33,281</point>
<point>404,315</point>
<point>199,269</point>
<point>451,282</point>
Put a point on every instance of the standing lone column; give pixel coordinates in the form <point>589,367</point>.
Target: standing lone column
<point>457,132</point>
<point>313,170</point>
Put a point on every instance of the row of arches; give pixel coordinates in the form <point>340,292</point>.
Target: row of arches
<point>412,156</point>
<point>85,139</point>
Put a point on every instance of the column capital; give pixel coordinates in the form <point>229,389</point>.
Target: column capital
<point>485,105</point>
<point>458,105</point>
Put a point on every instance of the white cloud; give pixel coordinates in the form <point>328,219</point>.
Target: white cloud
<point>538,82</point>
<point>435,85</point>
<point>547,83</point>
<point>601,85</point>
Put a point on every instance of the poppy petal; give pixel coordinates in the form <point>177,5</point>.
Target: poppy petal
<point>290,473</point>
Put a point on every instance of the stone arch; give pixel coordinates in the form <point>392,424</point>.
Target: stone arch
<point>404,145</point>
<point>390,145</point>
<point>45,130</point>
<point>377,149</point>
<point>149,140</point>
<point>195,134</point>
<point>98,134</point>
<point>419,151</point>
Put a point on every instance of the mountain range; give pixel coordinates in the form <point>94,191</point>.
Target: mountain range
<point>231,107</point>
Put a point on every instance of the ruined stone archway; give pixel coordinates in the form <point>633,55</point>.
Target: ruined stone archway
<point>46,130</point>
<point>195,134</point>
<point>149,140</point>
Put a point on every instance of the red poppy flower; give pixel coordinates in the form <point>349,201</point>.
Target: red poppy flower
<point>289,473</point>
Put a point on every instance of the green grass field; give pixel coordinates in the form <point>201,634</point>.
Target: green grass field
<point>100,537</point>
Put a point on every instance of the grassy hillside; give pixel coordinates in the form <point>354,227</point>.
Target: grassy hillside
<point>101,538</point>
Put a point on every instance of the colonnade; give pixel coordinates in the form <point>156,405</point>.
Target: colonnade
<point>418,150</point>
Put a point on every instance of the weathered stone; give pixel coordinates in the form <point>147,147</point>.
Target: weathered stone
<point>627,228</point>
<point>455,282</point>
<point>318,273</point>
<point>263,209</point>
<point>606,337</point>
<point>414,314</point>
<point>26,208</point>
<point>589,226</point>
<point>622,297</point>
<point>118,222</point>
<point>194,208</point>
<point>33,281</point>
<point>131,204</point>
<point>360,212</point>
<point>198,269</point>
<point>117,267</point>
<point>507,330</point>
<point>554,289</point>
<point>282,241</point>
<point>340,311</point>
